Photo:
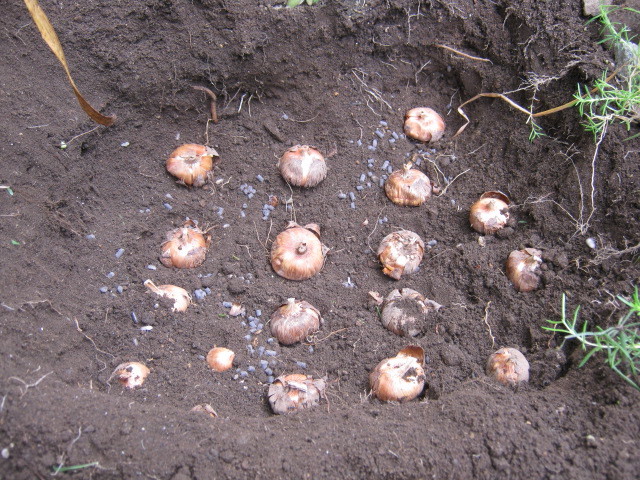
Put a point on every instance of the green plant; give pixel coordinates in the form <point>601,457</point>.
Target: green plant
<point>613,101</point>
<point>295,3</point>
<point>620,343</point>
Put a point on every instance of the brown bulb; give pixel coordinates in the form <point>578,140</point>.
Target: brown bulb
<point>490,213</point>
<point>130,374</point>
<point>303,166</point>
<point>191,163</point>
<point>400,252</point>
<point>523,269</point>
<point>186,247</point>
<point>423,124</point>
<point>408,187</point>
<point>294,321</point>
<point>220,359</point>
<point>297,253</point>
<point>181,298</point>
<point>291,393</point>
<point>405,312</point>
<point>508,366</point>
<point>400,378</point>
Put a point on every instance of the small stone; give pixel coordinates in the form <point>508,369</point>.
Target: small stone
<point>119,252</point>
<point>104,289</point>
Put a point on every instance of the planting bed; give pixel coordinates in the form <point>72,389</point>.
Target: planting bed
<point>82,231</point>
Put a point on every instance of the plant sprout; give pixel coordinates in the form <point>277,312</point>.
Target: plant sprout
<point>295,3</point>
<point>620,343</point>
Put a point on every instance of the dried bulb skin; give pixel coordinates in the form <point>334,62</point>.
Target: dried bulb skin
<point>291,393</point>
<point>191,163</point>
<point>408,187</point>
<point>297,253</point>
<point>220,359</point>
<point>294,321</point>
<point>405,312</point>
<point>400,378</point>
<point>130,374</point>
<point>303,166</point>
<point>423,124</point>
<point>490,213</point>
<point>186,247</point>
<point>523,269</point>
<point>508,366</point>
<point>181,298</point>
<point>400,252</point>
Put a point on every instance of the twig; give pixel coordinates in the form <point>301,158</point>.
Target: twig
<point>462,54</point>
<point>213,98</point>
<point>374,229</point>
<point>486,321</point>
<point>57,469</point>
<point>312,341</point>
<point>304,121</point>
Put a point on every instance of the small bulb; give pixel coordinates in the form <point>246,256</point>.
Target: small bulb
<point>400,252</point>
<point>405,312</point>
<point>297,253</point>
<point>181,298</point>
<point>186,247</point>
<point>191,163</point>
<point>303,166</point>
<point>291,393</point>
<point>490,213</point>
<point>130,374</point>
<point>523,269</point>
<point>294,321</point>
<point>508,366</point>
<point>220,359</point>
<point>423,124</point>
<point>400,378</point>
<point>408,187</point>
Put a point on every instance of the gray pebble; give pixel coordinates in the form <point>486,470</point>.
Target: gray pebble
<point>247,337</point>
<point>353,205</point>
<point>363,177</point>
<point>244,373</point>
<point>261,351</point>
<point>251,368</point>
<point>379,134</point>
<point>301,364</point>
<point>167,206</point>
<point>268,371</point>
<point>385,164</point>
<point>395,136</point>
<point>264,364</point>
<point>151,267</point>
<point>311,349</point>
<point>134,317</point>
<point>120,252</point>
<point>374,143</point>
<point>104,289</point>
<point>119,289</point>
<point>111,275</point>
<point>91,236</point>
<point>359,187</point>
<point>270,379</point>
<point>342,195</point>
<point>270,340</point>
<point>199,294</point>
<point>383,123</point>
<point>227,304</point>
<point>258,313</point>
<point>260,178</point>
<point>270,353</point>
<point>352,196</point>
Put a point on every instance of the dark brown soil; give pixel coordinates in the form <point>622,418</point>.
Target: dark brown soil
<point>331,75</point>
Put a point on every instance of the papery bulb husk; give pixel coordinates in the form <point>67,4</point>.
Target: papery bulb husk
<point>508,366</point>
<point>181,298</point>
<point>295,392</point>
<point>130,374</point>
<point>423,124</point>
<point>297,253</point>
<point>220,359</point>
<point>191,163</point>
<point>303,166</point>
<point>408,187</point>
<point>294,321</point>
<point>186,247</point>
<point>400,253</point>
<point>490,213</point>
<point>523,269</point>
<point>400,378</point>
<point>405,312</point>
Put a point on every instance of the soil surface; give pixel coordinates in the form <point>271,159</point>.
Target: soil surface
<point>88,209</point>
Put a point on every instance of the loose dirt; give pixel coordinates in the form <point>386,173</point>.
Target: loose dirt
<point>81,229</point>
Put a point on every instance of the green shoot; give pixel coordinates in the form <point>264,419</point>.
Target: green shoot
<point>72,468</point>
<point>620,343</point>
<point>536,130</point>
<point>295,3</point>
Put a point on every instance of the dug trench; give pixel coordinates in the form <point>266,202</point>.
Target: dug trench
<point>339,76</point>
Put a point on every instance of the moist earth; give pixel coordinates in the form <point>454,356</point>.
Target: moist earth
<point>89,206</point>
